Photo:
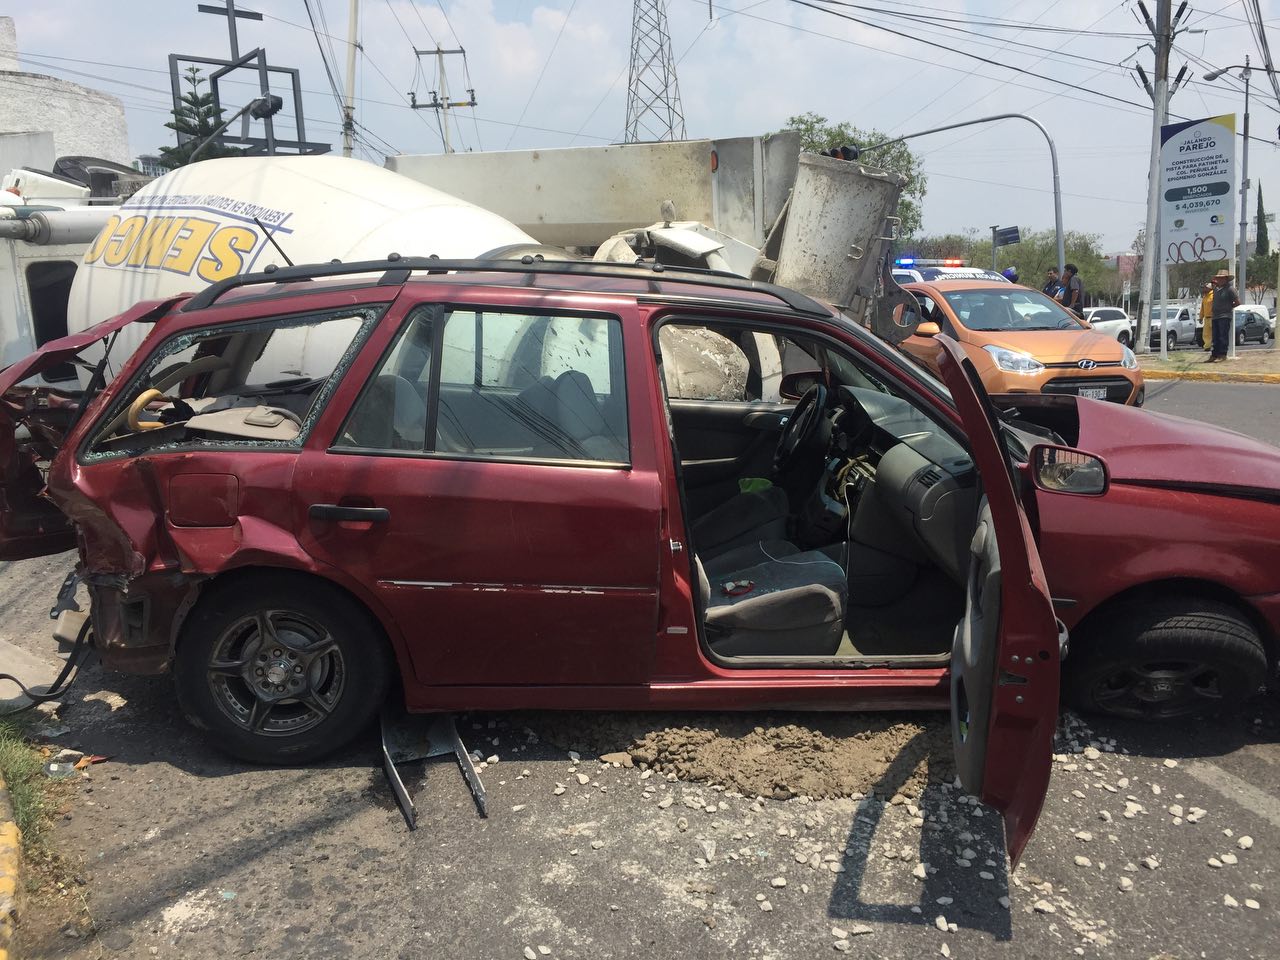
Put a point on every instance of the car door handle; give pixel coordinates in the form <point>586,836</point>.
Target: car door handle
<point>336,511</point>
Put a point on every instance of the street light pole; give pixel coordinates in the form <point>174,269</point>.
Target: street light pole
<point>1053,161</point>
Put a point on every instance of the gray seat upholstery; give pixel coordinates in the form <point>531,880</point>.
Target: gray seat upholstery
<point>579,415</point>
<point>391,416</point>
<point>748,555</point>
<point>742,520</point>
<point>794,607</point>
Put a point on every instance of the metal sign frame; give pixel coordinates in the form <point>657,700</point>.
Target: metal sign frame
<point>255,59</point>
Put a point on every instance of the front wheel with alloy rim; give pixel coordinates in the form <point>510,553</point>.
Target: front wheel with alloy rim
<point>1166,658</point>
<point>278,673</point>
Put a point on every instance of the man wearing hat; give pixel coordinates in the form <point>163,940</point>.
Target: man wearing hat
<point>1225,301</point>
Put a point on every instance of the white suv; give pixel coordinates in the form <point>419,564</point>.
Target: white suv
<point>1113,322</point>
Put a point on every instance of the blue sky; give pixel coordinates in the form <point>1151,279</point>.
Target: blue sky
<point>553,73</point>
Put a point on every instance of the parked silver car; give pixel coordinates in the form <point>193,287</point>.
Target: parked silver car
<point>1182,326</point>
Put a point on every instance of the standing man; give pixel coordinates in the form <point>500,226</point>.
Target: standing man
<point>1051,285</point>
<point>1072,290</point>
<point>1225,301</point>
<point>1206,316</point>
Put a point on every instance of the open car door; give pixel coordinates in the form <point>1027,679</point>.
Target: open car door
<point>1006,655</point>
<point>33,421</point>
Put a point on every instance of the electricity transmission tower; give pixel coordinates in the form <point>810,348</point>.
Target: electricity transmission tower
<point>653,93</point>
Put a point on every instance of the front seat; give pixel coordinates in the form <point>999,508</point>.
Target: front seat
<point>789,606</point>
<point>988,314</point>
<point>742,520</point>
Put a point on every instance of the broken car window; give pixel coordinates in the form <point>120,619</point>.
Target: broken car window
<point>251,384</point>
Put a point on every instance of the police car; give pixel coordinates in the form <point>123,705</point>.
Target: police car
<point>918,270</point>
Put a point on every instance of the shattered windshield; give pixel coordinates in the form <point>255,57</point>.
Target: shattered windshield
<point>255,384</point>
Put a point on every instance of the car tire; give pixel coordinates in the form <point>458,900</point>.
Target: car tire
<point>1240,338</point>
<point>1173,339</point>
<point>317,676</point>
<point>1123,337</point>
<point>1163,659</point>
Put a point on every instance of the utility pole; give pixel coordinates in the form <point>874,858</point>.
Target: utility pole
<point>1163,33</point>
<point>440,101</point>
<point>349,108</point>
<point>1244,212</point>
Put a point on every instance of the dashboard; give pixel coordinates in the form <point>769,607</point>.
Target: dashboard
<point>893,481</point>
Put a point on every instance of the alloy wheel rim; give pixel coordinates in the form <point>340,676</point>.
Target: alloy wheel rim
<point>1158,689</point>
<point>276,673</point>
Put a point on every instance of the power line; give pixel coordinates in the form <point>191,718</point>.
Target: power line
<point>1020,186</point>
<point>907,57</point>
<point>980,21</point>
<point>976,132</point>
<point>324,59</point>
<point>545,63</point>
<point>444,13</point>
<point>418,13</point>
<point>987,60</point>
<point>965,53</point>
<point>942,93</point>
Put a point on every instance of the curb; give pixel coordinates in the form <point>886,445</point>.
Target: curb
<point>10,865</point>
<point>1204,376</point>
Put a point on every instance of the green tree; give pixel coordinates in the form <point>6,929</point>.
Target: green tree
<point>817,133</point>
<point>1264,242</point>
<point>1032,256</point>
<point>197,119</point>
<point>1262,275</point>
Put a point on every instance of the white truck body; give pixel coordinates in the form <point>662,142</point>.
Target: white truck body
<point>46,223</point>
<point>810,222</point>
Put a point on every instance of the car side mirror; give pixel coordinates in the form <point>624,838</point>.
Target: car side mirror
<point>905,316</point>
<point>927,328</point>
<point>793,386</point>
<point>1057,469</point>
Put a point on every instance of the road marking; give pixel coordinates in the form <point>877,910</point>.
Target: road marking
<point>1233,788</point>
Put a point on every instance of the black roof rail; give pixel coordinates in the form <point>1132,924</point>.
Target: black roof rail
<point>396,270</point>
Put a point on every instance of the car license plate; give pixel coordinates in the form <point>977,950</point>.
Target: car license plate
<point>1094,393</point>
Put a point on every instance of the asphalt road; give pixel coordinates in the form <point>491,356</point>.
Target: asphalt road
<point>1249,408</point>
<point>185,854</point>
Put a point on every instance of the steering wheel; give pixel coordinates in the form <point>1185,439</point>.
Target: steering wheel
<point>801,427</point>
<point>140,404</point>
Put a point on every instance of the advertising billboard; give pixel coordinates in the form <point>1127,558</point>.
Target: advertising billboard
<point>1198,190</point>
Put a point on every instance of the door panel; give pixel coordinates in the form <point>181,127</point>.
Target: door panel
<point>497,573</point>
<point>1005,658</point>
<point>501,560</point>
<point>720,441</point>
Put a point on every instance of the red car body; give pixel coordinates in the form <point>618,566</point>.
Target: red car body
<point>506,585</point>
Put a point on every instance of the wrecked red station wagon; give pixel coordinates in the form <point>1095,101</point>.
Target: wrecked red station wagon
<point>537,485</point>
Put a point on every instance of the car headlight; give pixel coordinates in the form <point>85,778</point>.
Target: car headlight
<point>1011,361</point>
<point>1128,360</point>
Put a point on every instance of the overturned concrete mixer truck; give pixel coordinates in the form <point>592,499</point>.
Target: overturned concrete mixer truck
<point>754,206</point>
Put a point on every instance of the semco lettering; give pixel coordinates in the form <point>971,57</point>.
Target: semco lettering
<point>192,245</point>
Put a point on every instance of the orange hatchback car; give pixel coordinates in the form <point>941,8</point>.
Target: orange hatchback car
<point>1020,341</point>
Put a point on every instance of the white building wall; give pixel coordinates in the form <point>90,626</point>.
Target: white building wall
<point>82,121</point>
